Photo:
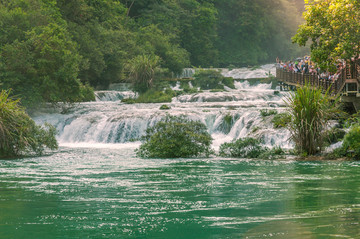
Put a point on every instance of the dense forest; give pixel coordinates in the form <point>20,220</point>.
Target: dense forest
<point>54,50</point>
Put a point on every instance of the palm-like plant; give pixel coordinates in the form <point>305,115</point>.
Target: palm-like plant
<point>19,133</point>
<point>8,124</point>
<point>310,111</point>
<point>142,71</point>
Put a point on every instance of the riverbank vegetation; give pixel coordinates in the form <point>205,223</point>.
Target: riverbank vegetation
<point>250,148</point>
<point>19,135</point>
<point>332,30</point>
<point>310,111</point>
<point>54,51</point>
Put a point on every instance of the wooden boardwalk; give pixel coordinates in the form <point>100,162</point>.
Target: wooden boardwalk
<point>347,85</point>
<point>300,79</point>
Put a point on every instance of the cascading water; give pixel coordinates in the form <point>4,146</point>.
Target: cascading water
<point>228,115</point>
<point>114,95</point>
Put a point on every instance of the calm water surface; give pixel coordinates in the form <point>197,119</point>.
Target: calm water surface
<point>109,193</point>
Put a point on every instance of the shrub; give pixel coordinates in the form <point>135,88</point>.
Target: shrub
<point>264,113</point>
<point>351,144</point>
<point>229,82</point>
<point>310,112</point>
<point>128,101</point>
<point>153,96</point>
<point>250,148</point>
<point>231,67</point>
<point>184,84</point>
<point>176,137</point>
<point>165,107</point>
<point>208,79</point>
<point>18,132</point>
<point>281,120</point>
<point>191,91</point>
<point>334,135</point>
<point>274,153</point>
<point>242,148</point>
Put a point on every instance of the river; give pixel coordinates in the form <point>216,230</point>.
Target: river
<point>94,186</point>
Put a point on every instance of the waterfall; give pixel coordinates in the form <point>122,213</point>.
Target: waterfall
<point>114,95</point>
<point>238,73</point>
<point>228,115</point>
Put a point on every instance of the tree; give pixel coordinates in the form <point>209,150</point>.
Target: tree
<point>38,58</point>
<point>198,32</point>
<point>154,41</point>
<point>333,28</point>
<point>46,62</point>
<point>176,137</point>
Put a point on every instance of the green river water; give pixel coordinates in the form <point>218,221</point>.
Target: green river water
<point>109,193</point>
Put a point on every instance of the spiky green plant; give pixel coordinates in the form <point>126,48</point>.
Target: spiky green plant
<point>18,132</point>
<point>142,70</point>
<point>310,111</point>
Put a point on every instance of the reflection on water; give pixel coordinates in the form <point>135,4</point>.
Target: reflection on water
<point>109,193</point>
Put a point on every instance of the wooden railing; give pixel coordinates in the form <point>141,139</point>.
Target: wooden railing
<point>295,78</point>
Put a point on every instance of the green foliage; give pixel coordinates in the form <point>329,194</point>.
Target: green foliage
<point>142,71</point>
<point>351,144</point>
<point>86,93</point>
<point>281,120</point>
<point>228,122</point>
<point>274,153</point>
<point>38,58</point>
<point>242,148</point>
<point>18,132</point>
<point>191,91</point>
<point>154,96</point>
<point>217,90</point>
<point>252,32</point>
<point>333,27</point>
<point>310,112</point>
<point>229,82</point>
<point>208,79</point>
<point>265,112</point>
<point>334,135</point>
<point>128,101</point>
<point>176,137</point>
<point>165,107</point>
<point>198,31</point>
<point>250,148</point>
<point>184,84</point>
<point>50,49</point>
<point>231,67</point>
<point>172,56</point>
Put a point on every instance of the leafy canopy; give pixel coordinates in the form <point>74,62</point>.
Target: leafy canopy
<point>333,28</point>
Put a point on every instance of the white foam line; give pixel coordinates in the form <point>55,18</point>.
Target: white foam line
<point>100,145</point>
